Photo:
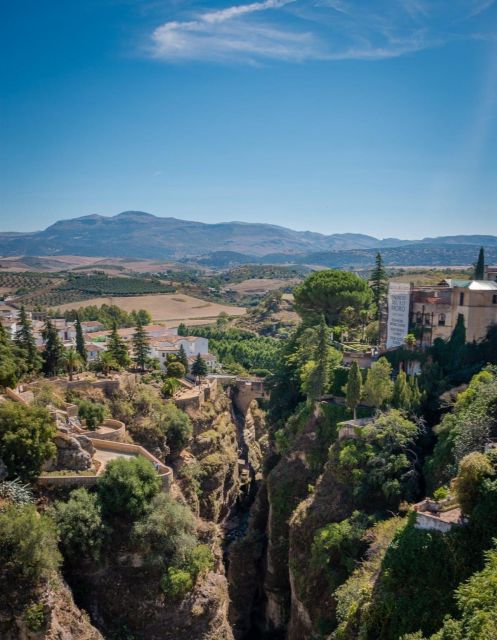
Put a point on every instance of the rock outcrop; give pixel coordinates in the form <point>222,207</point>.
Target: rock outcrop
<point>74,454</point>
<point>62,620</point>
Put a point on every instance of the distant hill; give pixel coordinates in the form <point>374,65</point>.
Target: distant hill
<point>136,234</point>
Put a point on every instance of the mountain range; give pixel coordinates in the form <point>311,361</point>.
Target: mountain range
<point>136,234</point>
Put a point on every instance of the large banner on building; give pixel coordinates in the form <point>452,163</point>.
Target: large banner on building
<point>398,313</point>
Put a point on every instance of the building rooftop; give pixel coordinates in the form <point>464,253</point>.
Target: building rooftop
<point>474,285</point>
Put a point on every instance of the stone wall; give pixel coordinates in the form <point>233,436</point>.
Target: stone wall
<point>165,472</point>
<point>117,434</point>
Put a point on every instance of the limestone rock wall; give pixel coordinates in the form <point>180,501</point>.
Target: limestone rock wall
<point>64,621</point>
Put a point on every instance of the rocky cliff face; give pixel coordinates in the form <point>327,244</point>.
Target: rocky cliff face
<point>62,618</point>
<point>271,585</point>
<point>215,450</point>
<point>312,609</point>
<point>126,598</point>
<point>124,594</point>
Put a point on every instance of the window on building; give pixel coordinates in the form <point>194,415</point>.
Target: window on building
<point>461,299</point>
<point>494,299</point>
<point>427,319</point>
<point>419,317</point>
<point>441,319</point>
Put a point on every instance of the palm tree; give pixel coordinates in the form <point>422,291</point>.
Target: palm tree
<point>410,341</point>
<point>72,361</point>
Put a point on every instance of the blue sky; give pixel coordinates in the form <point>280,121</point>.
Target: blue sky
<point>376,117</point>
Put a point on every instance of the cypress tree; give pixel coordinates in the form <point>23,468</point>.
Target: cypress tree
<point>141,347</point>
<point>24,339</point>
<point>379,283</point>
<point>9,373</point>
<point>199,368</point>
<point>322,357</point>
<point>457,343</point>
<point>480,266</point>
<point>416,396</point>
<point>80,341</point>
<point>354,388</point>
<point>401,397</point>
<point>182,357</point>
<point>53,353</point>
<point>117,349</point>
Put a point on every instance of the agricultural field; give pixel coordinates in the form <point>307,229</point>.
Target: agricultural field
<point>169,309</point>
<point>42,291</point>
<point>429,276</point>
<point>259,286</point>
<point>13,283</point>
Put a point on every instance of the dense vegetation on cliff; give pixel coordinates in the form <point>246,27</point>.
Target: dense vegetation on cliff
<point>331,549</point>
<point>355,564</point>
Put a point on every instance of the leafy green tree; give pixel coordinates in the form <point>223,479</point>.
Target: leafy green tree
<point>80,526</point>
<point>330,292</point>
<point>24,339</point>
<point>479,273</point>
<point>80,341</point>
<point>354,388</point>
<point>166,532</point>
<point>141,346</point>
<point>105,364</point>
<point>379,283</point>
<point>72,361</point>
<point>117,348</point>
<point>182,357</point>
<point>142,316</point>
<point>199,367</point>
<point>53,350</point>
<point>170,386</point>
<point>28,548</point>
<point>176,425</point>
<point>92,412</point>
<point>379,465</point>
<point>378,387</point>
<point>26,439</point>
<point>473,469</point>
<point>127,487</point>
<point>175,370</point>
<point>467,428</point>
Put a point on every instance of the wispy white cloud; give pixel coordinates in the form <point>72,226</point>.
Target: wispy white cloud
<point>297,30</point>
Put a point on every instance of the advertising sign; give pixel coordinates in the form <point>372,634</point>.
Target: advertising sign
<point>398,313</point>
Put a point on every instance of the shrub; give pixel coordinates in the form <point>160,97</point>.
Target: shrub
<point>79,521</point>
<point>441,494</point>
<point>16,492</point>
<point>28,547</point>
<point>127,487</point>
<point>26,435</point>
<point>176,582</point>
<point>93,412</point>
<point>201,560</point>
<point>35,617</point>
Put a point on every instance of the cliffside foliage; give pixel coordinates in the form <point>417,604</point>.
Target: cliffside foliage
<point>26,434</point>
